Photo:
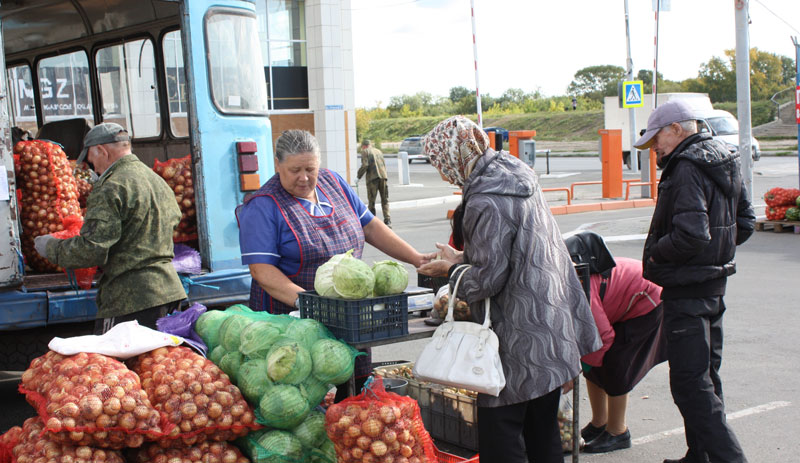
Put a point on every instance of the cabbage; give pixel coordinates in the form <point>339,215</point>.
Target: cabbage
<point>280,446</point>
<point>323,281</point>
<point>239,308</point>
<point>313,390</point>
<point>326,453</point>
<point>352,278</point>
<point>306,331</point>
<point>253,380</point>
<point>207,326</point>
<point>390,278</point>
<point>257,338</point>
<point>230,331</point>
<point>288,362</point>
<point>217,354</point>
<point>230,363</point>
<point>283,407</point>
<point>311,432</point>
<point>332,361</point>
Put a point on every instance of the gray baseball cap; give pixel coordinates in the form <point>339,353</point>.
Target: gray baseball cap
<point>664,115</point>
<point>101,134</point>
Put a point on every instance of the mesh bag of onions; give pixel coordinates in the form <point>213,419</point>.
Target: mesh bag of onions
<point>48,195</point>
<point>7,443</point>
<point>178,175</point>
<point>377,426</point>
<point>206,452</point>
<point>91,399</point>
<point>82,174</point>
<point>33,445</point>
<point>197,398</point>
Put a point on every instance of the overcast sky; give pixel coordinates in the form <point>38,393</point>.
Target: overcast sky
<point>406,46</point>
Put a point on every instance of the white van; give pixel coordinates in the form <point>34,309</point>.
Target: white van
<point>723,126</point>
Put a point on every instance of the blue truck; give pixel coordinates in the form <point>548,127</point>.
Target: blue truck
<point>183,77</point>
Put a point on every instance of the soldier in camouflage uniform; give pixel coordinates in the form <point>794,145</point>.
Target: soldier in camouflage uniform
<point>373,165</point>
<point>130,216</point>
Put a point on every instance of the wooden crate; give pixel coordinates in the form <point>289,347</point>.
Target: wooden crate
<point>778,226</point>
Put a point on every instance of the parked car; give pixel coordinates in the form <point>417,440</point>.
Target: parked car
<point>499,130</point>
<point>413,146</point>
<point>724,126</point>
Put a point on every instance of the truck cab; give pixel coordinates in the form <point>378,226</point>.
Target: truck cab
<point>185,78</point>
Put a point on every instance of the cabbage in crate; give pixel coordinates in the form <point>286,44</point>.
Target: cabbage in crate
<point>349,278</point>
<point>390,278</point>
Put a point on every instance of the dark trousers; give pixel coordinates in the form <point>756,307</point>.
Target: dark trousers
<point>520,433</point>
<point>379,185</point>
<point>146,317</point>
<point>694,351</point>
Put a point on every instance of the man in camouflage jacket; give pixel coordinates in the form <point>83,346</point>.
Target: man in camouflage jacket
<point>127,231</point>
<point>373,165</point>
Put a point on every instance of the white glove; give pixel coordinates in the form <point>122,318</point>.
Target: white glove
<point>40,244</point>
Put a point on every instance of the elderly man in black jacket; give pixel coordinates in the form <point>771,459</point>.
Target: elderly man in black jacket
<point>703,212</point>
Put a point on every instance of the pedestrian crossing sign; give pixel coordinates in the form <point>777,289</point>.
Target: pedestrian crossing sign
<point>632,94</point>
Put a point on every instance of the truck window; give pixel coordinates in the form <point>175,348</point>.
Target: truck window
<point>126,74</point>
<point>237,80</point>
<point>176,84</point>
<point>22,104</point>
<point>64,87</point>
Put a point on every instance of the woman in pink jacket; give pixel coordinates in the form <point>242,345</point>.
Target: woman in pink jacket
<point>628,314</point>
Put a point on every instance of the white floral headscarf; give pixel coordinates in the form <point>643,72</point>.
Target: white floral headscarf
<point>454,146</point>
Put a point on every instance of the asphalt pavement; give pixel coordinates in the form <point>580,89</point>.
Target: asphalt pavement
<point>760,363</point>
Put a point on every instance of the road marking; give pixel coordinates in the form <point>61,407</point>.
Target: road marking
<point>560,175</point>
<point>730,416</point>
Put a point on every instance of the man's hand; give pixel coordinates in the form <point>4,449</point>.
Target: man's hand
<point>40,244</point>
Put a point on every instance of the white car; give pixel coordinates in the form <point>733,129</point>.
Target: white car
<point>723,126</point>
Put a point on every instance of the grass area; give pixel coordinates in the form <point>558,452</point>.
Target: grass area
<point>574,126</point>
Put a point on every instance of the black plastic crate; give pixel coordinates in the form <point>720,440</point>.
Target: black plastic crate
<point>584,276</point>
<point>453,418</point>
<point>359,320</point>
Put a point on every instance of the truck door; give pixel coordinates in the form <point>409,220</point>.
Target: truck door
<point>11,266</point>
<point>226,87</point>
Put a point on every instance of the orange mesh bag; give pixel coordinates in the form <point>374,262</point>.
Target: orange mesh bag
<point>207,452</point>
<point>376,425</point>
<point>48,201</point>
<point>48,195</point>
<point>91,399</point>
<point>7,443</point>
<point>197,398</point>
<point>35,446</point>
<point>178,175</point>
<point>776,212</point>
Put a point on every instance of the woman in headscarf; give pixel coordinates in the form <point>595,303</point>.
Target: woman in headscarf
<point>539,309</point>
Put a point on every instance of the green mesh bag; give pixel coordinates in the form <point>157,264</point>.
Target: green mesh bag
<point>217,354</point>
<point>207,326</point>
<point>257,338</point>
<point>311,432</point>
<point>230,364</point>
<point>288,362</point>
<point>332,361</point>
<point>253,380</point>
<point>313,390</point>
<point>282,407</point>
<point>324,454</point>
<point>306,331</point>
<point>273,446</point>
<point>230,332</point>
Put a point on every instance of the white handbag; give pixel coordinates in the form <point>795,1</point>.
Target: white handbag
<point>463,354</point>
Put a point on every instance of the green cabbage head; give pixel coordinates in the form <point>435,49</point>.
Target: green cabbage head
<point>352,278</point>
<point>323,281</point>
<point>390,278</point>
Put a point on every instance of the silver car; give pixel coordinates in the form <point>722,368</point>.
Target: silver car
<point>724,127</point>
<point>413,146</point>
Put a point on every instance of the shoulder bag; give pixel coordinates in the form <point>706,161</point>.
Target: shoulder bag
<point>463,354</point>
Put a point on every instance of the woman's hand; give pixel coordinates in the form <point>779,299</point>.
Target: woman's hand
<point>426,258</point>
<point>566,387</point>
<point>437,268</point>
<point>449,254</point>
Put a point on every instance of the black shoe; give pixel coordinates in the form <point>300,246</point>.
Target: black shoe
<point>388,223</point>
<point>590,432</point>
<point>605,442</point>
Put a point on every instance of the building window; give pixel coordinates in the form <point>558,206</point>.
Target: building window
<point>127,77</point>
<point>64,87</point>
<point>282,31</point>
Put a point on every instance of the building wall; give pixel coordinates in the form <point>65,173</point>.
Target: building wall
<point>330,82</point>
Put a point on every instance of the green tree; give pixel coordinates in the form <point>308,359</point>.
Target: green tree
<point>458,93</point>
<point>596,82</point>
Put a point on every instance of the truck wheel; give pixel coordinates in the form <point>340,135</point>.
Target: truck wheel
<point>18,348</point>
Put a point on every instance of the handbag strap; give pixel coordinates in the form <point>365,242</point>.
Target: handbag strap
<point>462,269</point>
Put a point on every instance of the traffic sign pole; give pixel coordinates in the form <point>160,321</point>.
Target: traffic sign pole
<point>797,97</point>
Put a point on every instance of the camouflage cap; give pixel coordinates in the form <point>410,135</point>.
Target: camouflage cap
<point>366,142</point>
<point>101,134</point>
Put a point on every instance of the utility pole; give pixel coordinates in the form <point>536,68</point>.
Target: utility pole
<point>475,56</point>
<point>743,91</point>
<point>632,116</point>
<point>797,95</point>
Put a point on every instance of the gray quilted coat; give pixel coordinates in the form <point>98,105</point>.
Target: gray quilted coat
<point>538,307</point>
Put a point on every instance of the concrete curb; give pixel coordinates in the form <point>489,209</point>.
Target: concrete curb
<point>424,202</point>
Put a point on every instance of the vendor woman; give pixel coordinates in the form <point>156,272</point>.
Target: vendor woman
<point>301,218</point>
